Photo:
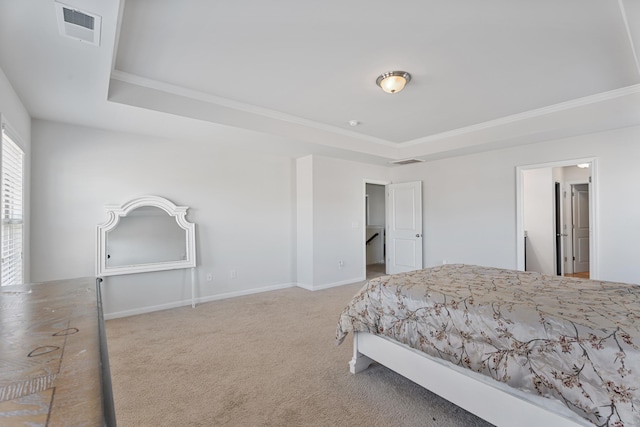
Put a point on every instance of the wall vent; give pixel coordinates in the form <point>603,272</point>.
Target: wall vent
<point>406,161</point>
<point>77,24</point>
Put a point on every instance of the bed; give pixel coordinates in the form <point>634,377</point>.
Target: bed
<point>515,348</point>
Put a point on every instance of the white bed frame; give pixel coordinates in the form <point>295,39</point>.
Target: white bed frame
<point>469,390</point>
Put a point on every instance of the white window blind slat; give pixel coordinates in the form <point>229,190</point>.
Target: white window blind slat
<point>11,206</point>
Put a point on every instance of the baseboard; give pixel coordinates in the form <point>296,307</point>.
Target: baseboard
<point>200,300</point>
<point>245,292</point>
<point>143,310</point>
<point>329,285</point>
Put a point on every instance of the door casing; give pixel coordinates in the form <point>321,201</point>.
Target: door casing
<point>364,220</point>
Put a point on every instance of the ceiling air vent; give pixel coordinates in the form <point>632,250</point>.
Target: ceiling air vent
<point>77,24</point>
<point>406,161</point>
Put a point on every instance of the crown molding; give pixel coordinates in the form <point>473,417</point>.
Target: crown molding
<point>228,103</point>
<point>562,106</point>
<point>240,106</point>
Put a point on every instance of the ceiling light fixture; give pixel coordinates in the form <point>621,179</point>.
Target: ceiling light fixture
<point>583,165</point>
<point>393,81</point>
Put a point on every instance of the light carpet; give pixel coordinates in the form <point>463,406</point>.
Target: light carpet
<point>266,359</point>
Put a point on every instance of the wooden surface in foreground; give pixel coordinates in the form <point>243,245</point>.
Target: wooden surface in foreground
<point>50,372</point>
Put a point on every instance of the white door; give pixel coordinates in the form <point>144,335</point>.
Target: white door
<point>404,227</point>
<point>580,207</point>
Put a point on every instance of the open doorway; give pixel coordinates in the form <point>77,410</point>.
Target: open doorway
<point>556,224</point>
<point>577,261</point>
<point>375,229</point>
<point>572,236</point>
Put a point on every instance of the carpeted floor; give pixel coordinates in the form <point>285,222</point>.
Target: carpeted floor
<point>267,359</point>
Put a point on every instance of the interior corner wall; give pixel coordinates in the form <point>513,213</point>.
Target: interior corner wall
<point>469,202</point>
<point>15,114</point>
<point>304,222</point>
<point>242,203</point>
<point>13,110</point>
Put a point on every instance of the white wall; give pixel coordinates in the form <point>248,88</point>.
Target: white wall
<point>18,120</point>
<point>242,204</point>
<point>338,191</point>
<point>245,206</point>
<point>13,111</point>
<point>470,201</point>
<point>574,173</point>
<point>376,204</point>
<point>468,209</point>
<point>376,223</point>
<point>539,218</point>
<point>339,227</point>
<point>304,221</point>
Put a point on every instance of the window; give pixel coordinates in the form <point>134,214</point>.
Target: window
<point>12,212</point>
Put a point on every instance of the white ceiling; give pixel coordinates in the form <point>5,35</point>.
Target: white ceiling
<point>290,75</point>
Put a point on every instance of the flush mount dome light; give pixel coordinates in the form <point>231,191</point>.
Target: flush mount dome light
<point>393,81</point>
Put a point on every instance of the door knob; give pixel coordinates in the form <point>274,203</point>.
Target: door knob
<point>417,235</point>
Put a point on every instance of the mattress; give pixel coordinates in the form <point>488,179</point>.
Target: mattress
<point>573,340</point>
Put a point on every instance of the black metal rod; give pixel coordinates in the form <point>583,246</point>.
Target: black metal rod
<point>372,237</point>
<point>108,406</point>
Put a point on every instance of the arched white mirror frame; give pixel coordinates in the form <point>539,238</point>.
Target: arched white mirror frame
<point>116,212</point>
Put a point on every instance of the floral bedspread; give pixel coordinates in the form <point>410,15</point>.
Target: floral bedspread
<point>571,339</point>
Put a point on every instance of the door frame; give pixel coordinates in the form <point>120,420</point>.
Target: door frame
<point>558,206</point>
<point>594,259</point>
<point>364,220</point>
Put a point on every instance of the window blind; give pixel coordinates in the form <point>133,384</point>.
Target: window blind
<point>11,198</point>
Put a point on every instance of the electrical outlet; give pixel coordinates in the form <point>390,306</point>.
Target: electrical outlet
<point>340,264</point>
<point>233,274</point>
<point>209,277</point>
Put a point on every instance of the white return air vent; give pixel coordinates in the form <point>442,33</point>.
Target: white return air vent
<point>406,161</point>
<point>77,24</point>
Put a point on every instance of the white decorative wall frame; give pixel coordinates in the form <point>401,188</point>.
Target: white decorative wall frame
<point>148,233</point>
